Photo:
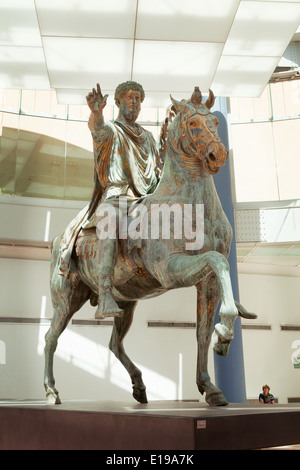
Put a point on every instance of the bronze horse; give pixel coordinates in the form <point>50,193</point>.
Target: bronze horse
<point>148,267</point>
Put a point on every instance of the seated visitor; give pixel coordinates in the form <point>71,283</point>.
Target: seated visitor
<point>266,396</point>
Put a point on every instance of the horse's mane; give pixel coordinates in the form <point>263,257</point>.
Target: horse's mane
<point>171,113</point>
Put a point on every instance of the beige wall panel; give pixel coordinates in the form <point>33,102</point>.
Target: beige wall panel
<point>278,104</point>
<point>262,105</point>
<point>287,144</point>
<point>292,98</point>
<point>254,162</point>
<point>251,108</point>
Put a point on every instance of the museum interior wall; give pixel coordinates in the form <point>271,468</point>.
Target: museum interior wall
<point>46,170</point>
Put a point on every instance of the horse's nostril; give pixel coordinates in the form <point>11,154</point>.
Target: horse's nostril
<point>212,157</point>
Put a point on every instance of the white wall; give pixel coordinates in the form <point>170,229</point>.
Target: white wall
<point>268,353</point>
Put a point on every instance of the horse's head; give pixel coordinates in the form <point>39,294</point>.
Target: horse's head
<point>194,132</point>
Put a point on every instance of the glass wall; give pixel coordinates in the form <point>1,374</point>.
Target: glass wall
<point>266,145</point>
<point>46,149</point>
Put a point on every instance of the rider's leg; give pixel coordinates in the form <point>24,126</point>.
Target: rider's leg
<point>107,254</point>
<point>107,306</point>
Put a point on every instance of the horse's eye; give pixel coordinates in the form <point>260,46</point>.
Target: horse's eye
<point>192,123</point>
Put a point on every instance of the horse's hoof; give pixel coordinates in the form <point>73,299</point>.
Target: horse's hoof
<point>52,397</point>
<point>219,346</point>
<point>223,332</point>
<point>216,398</point>
<point>140,395</point>
<point>221,349</point>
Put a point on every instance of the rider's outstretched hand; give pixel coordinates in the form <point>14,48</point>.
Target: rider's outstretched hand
<point>95,100</point>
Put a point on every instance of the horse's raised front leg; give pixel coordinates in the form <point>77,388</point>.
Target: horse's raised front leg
<point>188,270</point>
<point>121,327</point>
<point>208,297</point>
<point>224,331</point>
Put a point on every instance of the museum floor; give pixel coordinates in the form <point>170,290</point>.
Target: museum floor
<point>291,447</point>
<point>160,425</point>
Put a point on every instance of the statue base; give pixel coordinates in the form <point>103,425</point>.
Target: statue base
<point>159,425</point>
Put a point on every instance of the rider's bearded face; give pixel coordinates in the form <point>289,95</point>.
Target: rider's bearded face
<point>130,105</point>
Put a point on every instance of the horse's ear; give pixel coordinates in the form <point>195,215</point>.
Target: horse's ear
<point>210,100</point>
<point>178,106</point>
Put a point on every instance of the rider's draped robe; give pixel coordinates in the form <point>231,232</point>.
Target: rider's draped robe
<point>126,164</point>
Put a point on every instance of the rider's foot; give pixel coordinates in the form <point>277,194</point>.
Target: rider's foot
<point>107,306</point>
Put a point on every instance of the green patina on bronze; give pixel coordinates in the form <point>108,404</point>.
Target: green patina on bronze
<point>114,274</point>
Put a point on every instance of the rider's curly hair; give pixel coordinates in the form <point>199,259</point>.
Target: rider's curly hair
<point>129,85</point>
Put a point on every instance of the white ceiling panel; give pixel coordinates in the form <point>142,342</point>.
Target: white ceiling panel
<point>165,66</point>
<point>262,28</point>
<point>23,67</point>
<point>152,99</point>
<point>189,20</point>
<point>158,99</point>
<point>18,23</point>
<point>88,18</point>
<point>78,96</point>
<point>243,76</point>
<point>82,62</point>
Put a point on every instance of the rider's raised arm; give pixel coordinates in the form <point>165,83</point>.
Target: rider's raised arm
<point>96,102</point>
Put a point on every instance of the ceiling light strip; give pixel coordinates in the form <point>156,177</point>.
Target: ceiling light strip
<point>134,38</point>
<point>45,61</point>
<point>233,18</point>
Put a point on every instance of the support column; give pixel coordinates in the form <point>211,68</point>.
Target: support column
<point>229,370</point>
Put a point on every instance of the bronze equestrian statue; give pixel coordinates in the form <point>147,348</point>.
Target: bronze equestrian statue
<point>115,272</point>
